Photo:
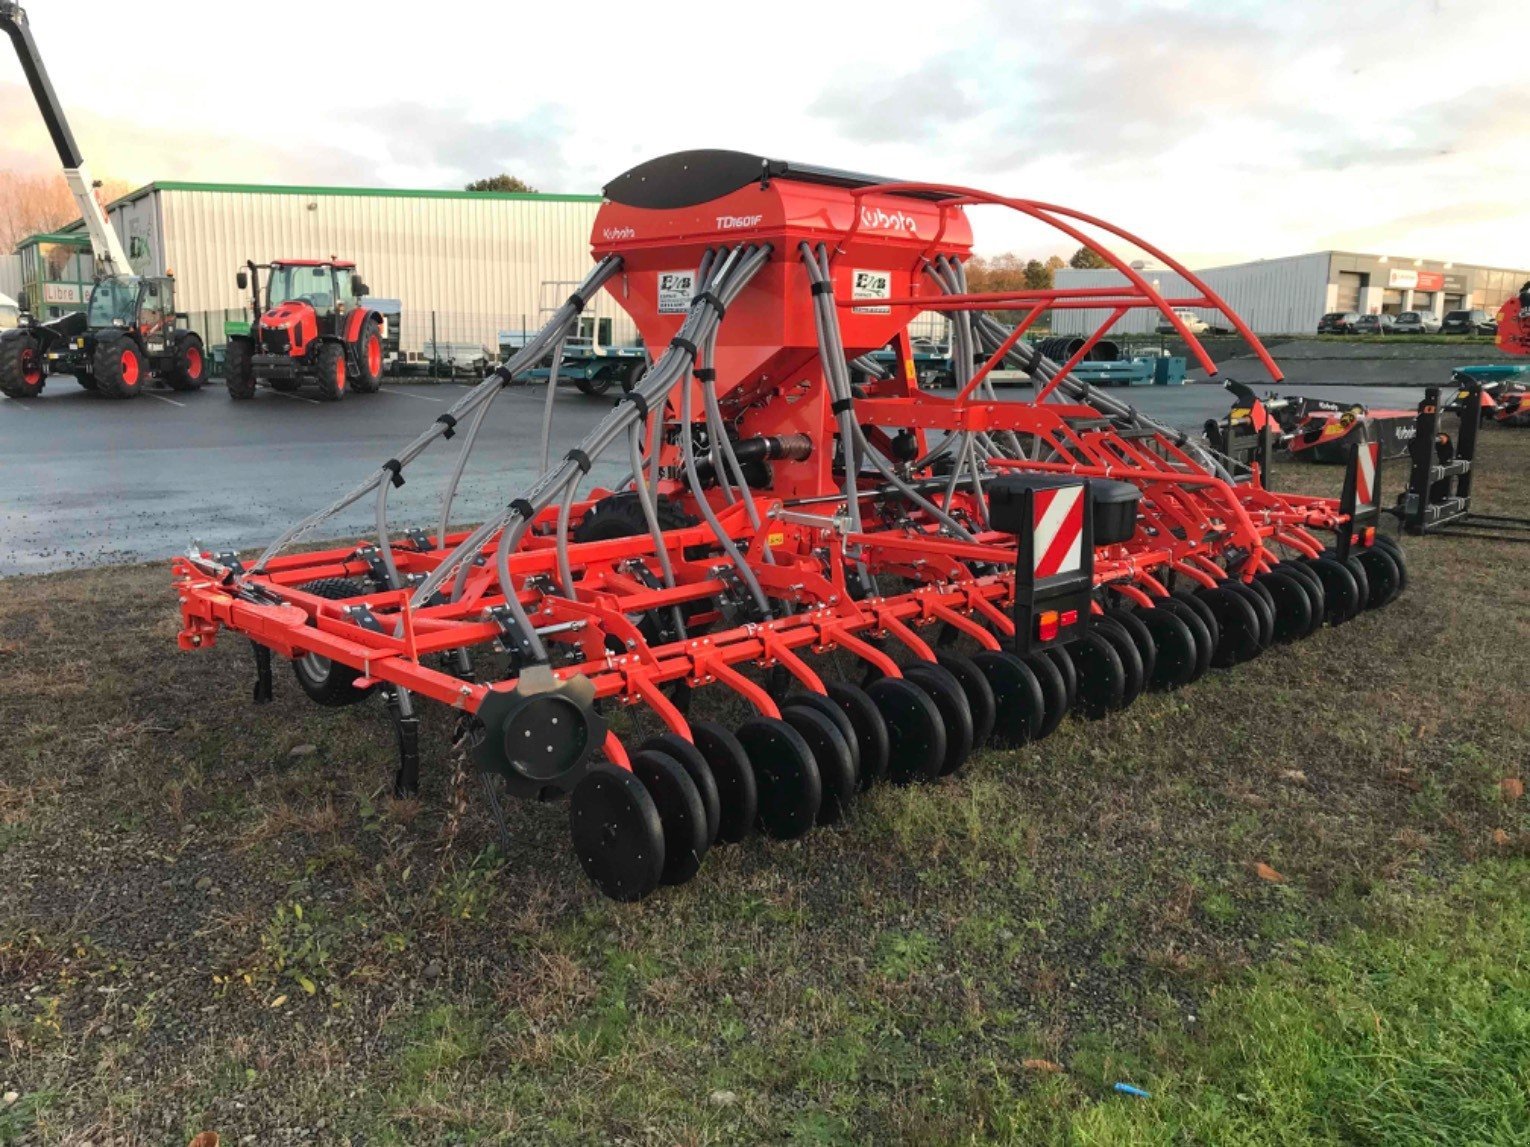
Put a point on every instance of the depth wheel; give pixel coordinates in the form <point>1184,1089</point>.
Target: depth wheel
<point>870,730</point>
<point>330,683</point>
<point>1020,703</point>
<point>785,775</point>
<point>831,754</point>
<point>819,702</point>
<point>946,691</point>
<point>618,838</point>
<point>915,731</point>
<point>1362,580</point>
<point>737,797</point>
<point>1204,612</point>
<point>681,813</point>
<point>1393,547</point>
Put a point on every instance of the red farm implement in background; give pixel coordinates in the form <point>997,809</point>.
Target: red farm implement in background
<point>803,586</point>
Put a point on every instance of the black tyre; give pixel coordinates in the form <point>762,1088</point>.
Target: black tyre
<point>955,713</point>
<point>86,380</point>
<point>1203,611</point>
<point>1313,585</point>
<point>681,813</point>
<point>1237,625</point>
<point>737,796</point>
<point>870,730</point>
<point>824,704</point>
<point>617,835</point>
<point>1204,645</point>
<point>980,695</point>
<point>327,682</point>
<point>190,369</point>
<point>238,369</point>
<point>831,754</point>
<point>22,374</point>
<point>786,777</point>
<point>1341,592</point>
<point>1176,652</point>
<point>369,358</point>
<point>333,379</point>
<point>915,732</point>
<point>597,385</point>
<point>1062,660</point>
<point>1264,608</point>
<point>1392,547</point>
<point>1101,676</point>
<point>1142,638</point>
<point>119,368</point>
<point>1293,605</point>
<point>1055,695</point>
<point>1020,706</point>
<point>1134,680</point>
<point>1362,580</point>
<point>1384,575</point>
<point>621,516</point>
<point>694,762</point>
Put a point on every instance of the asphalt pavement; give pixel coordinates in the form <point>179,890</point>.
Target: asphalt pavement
<point>90,481</point>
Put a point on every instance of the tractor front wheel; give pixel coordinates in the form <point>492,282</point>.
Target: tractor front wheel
<point>332,380</point>
<point>190,369</point>
<point>369,359</point>
<point>238,370</point>
<point>21,367</point>
<point>120,371</point>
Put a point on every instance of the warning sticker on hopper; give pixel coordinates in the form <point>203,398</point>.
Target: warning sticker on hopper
<point>675,291</point>
<point>870,285</point>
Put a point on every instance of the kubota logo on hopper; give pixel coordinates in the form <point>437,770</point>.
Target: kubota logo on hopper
<point>735,222</point>
<point>879,220</point>
<point>620,233</point>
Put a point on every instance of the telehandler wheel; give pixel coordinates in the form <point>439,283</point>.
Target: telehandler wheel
<point>238,370</point>
<point>369,358</point>
<point>21,367</point>
<point>190,369</point>
<point>617,834</point>
<point>119,368</point>
<point>331,367</point>
<point>86,380</point>
<point>327,682</point>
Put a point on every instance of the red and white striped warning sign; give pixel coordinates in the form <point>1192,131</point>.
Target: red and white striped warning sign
<point>1057,535</point>
<point>1365,479</point>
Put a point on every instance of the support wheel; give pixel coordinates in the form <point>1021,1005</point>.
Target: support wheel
<point>329,683</point>
<point>1393,547</point>
<point>617,834</point>
<point>1205,644</point>
<point>681,814</point>
<point>1341,592</point>
<point>1293,606</point>
<point>1063,660</point>
<point>1134,680</point>
<point>1055,695</point>
<point>915,731</point>
<point>786,777</point>
<point>1312,585</point>
<point>1142,638</point>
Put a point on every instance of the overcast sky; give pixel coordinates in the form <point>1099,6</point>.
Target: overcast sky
<point>1221,131</point>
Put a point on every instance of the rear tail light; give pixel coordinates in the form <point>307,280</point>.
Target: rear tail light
<point>1047,624</point>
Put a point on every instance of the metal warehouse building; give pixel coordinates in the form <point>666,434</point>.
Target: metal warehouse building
<point>1289,295</point>
<point>463,265</point>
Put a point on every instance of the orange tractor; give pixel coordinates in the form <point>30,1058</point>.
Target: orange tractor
<point>310,328</point>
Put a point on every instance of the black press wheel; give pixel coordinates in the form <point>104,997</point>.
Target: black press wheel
<point>831,753</point>
<point>327,682</point>
<point>1020,702</point>
<point>1141,636</point>
<point>1063,660</point>
<point>681,813</point>
<point>872,741</point>
<point>955,713</point>
<point>1055,696</point>
<point>1177,653</point>
<point>1205,646</point>
<point>694,762</point>
<point>1393,547</point>
<point>1101,676</point>
<point>980,696</point>
<point>1381,569</point>
<point>616,832</point>
<point>842,722</point>
<point>1341,592</point>
<point>737,796</point>
<point>915,731</point>
<point>1304,575</point>
<point>1293,605</point>
<point>1134,680</point>
<point>1264,608</point>
<point>1362,580</point>
<point>786,777</point>
<point>1237,625</point>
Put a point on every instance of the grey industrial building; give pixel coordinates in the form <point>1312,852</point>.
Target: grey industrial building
<point>1289,295</point>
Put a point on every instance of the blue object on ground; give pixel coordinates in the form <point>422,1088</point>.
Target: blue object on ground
<point>1128,1089</point>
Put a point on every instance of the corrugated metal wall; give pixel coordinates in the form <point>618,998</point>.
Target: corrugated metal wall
<point>1274,296</point>
<point>481,264</point>
<point>10,275</point>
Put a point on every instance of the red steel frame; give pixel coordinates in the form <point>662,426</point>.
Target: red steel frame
<point>1191,524</point>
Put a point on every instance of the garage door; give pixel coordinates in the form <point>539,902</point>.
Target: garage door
<point>1350,283</point>
<point>1391,302</point>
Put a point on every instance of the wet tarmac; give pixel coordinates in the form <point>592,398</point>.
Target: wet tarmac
<point>89,481</point>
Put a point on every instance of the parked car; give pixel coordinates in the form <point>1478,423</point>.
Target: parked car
<point>1469,323</point>
<point>1416,323</point>
<point>1374,325</point>
<point>1193,323</point>
<point>1339,323</point>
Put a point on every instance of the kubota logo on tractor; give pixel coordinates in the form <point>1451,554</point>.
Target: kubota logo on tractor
<point>879,220</point>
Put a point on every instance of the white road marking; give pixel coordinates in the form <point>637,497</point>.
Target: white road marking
<point>298,397</point>
<point>406,394</point>
<point>162,398</point>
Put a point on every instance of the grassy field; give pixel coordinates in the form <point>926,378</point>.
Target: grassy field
<point>1289,903</point>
